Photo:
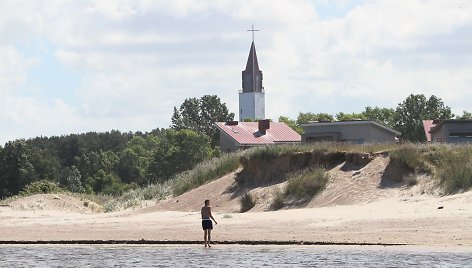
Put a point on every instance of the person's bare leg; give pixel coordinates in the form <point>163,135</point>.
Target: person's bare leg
<point>205,234</point>
<point>209,238</point>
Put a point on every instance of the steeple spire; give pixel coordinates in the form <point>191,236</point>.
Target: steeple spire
<point>252,59</point>
<point>252,76</point>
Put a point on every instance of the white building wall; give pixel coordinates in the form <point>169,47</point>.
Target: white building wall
<point>251,105</point>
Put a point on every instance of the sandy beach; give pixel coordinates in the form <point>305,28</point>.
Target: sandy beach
<point>412,222</point>
<point>344,213</point>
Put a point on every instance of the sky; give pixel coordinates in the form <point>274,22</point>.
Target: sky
<point>77,66</point>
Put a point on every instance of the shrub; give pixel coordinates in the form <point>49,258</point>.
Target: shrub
<point>278,201</point>
<point>247,202</point>
<point>307,183</point>
<point>411,158</point>
<point>156,191</point>
<point>111,206</point>
<point>41,187</point>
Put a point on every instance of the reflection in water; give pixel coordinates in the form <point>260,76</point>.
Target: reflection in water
<point>226,256</point>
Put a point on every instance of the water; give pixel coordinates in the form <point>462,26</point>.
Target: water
<point>227,256</point>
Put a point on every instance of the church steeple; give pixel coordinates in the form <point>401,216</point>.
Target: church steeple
<point>252,97</point>
<point>252,59</point>
<point>252,76</point>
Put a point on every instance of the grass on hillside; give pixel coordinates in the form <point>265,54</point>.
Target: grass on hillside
<point>204,172</point>
<point>450,165</point>
<point>301,186</point>
<point>135,197</point>
<point>322,146</point>
<point>306,183</point>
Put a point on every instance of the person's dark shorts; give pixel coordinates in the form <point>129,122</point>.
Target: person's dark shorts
<point>207,224</point>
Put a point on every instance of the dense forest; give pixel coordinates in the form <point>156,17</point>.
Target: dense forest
<point>114,162</point>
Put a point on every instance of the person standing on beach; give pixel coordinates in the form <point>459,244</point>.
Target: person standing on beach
<point>207,223</point>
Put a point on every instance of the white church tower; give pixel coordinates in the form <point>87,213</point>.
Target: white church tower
<point>252,97</point>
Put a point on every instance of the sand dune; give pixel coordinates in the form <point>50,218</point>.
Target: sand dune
<point>356,207</point>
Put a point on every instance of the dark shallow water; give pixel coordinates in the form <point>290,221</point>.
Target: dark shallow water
<point>228,256</point>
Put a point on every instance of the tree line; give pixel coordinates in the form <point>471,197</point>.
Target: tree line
<point>113,162</point>
<point>407,118</point>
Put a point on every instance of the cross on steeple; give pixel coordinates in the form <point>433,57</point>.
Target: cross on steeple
<point>252,30</point>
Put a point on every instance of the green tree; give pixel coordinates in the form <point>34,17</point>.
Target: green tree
<point>46,165</point>
<point>415,108</point>
<point>304,118</point>
<point>291,123</point>
<point>179,151</point>
<point>93,163</point>
<point>72,180</point>
<point>16,170</point>
<point>348,117</point>
<point>101,181</point>
<point>70,147</point>
<point>200,115</point>
<point>134,159</point>
<point>465,115</point>
<point>385,116</point>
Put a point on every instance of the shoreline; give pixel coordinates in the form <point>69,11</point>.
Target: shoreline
<point>193,242</point>
<point>405,221</point>
<point>224,244</point>
<point>361,225</point>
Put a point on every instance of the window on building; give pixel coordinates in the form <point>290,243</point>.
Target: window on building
<point>354,141</point>
<point>460,137</point>
<point>319,139</point>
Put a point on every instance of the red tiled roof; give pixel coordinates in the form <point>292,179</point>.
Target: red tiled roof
<point>247,133</point>
<point>428,125</point>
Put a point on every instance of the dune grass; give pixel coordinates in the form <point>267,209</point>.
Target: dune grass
<point>450,165</point>
<point>454,169</point>
<point>278,201</point>
<point>413,158</point>
<point>135,197</point>
<point>247,202</point>
<point>268,151</point>
<point>306,183</point>
<point>301,186</point>
<point>204,172</point>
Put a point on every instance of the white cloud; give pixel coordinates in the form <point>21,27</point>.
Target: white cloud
<point>384,50</point>
<point>13,68</point>
<point>137,59</point>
